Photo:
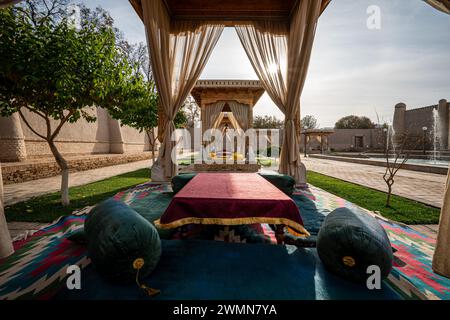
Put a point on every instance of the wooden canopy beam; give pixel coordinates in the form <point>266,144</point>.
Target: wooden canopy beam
<point>232,11</point>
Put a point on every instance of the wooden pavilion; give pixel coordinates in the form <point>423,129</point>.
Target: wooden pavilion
<point>181,36</point>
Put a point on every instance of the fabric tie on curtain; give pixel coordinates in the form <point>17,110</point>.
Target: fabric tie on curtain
<point>179,51</point>
<point>280,54</point>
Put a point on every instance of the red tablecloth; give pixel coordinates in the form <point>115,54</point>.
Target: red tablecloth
<point>231,199</point>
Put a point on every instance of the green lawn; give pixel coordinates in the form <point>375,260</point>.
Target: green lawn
<point>48,207</point>
<point>402,210</point>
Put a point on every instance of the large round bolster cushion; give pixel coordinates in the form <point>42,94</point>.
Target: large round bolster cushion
<point>179,181</point>
<point>116,237</point>
<point>281,181</point>
<point>351,241</point>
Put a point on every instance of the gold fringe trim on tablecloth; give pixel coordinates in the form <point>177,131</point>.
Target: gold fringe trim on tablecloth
<point>232,222</point>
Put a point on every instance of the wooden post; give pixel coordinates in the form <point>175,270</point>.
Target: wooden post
<point>250,126</point>
<point>6,247</point>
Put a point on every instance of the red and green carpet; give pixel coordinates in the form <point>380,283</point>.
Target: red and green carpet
<point>218,262</point>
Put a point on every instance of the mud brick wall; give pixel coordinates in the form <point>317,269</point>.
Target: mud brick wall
<point>44,168</point>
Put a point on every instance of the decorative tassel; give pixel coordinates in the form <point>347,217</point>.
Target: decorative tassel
<point>137,265</point>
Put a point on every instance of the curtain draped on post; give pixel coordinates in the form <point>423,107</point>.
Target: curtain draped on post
<point>216,123</point>
<point>441,5</point>
<point>441,258</point>
<point>240,112</point>
<point>280,55</point>
<point>6,247</point>
<point>234,122</point>
<point>179,51</point>
<point>210,114</point>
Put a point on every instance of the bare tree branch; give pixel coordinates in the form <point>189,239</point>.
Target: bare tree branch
<point>29,126</point>
<point>61,123</point>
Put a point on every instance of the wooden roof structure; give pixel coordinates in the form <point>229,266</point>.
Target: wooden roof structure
<point>243,91</point>
<point>226,10</point>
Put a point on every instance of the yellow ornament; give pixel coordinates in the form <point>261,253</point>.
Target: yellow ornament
<point>349,261</point>
<point>138,263</point>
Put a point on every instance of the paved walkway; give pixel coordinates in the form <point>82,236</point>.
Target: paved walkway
<point>427,188</point>
<point>19,192</point>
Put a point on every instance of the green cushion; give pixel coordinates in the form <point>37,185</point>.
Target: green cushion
<point>152,207</point>
<point>117,236</point>
<point>350,241</point>
<point>78,236</point>
<point>281,181</point>
<point>179,181</point>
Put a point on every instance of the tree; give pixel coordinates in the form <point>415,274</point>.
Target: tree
<point>267,122</point>
<point>191,111</point>
<point>354,122</point>
<point>142,113</point>
<point>308,122</point>
<point>58,71</point>
<point>396,156</point>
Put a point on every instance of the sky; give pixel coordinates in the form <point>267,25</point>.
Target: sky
<point>354,69</point>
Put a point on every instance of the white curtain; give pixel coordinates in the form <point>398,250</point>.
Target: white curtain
<point>442,5</point>
<point>6,247</point>
<point>218,121</point>
<point>234,122</point>
<point>280,55</point>
<point>179,51</point>
<point>441,258</point>
<point>210,114</point>
<point>240,112</point>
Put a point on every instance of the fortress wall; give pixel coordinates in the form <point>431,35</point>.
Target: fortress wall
<point>12,143</point>
<point>416,119</point>
<point>344,139</point>
<point>133,140</point>
<point>81,137</point>
<point>18,142</point>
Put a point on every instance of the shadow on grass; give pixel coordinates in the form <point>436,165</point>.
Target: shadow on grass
<point>47,208</point>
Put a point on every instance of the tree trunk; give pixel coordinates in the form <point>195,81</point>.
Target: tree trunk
<point>152,142</point>
<point>62,163</point>
<point>6,247</point>
<point>388,199</point>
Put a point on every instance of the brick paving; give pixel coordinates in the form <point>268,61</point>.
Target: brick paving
<point>423,187</point>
